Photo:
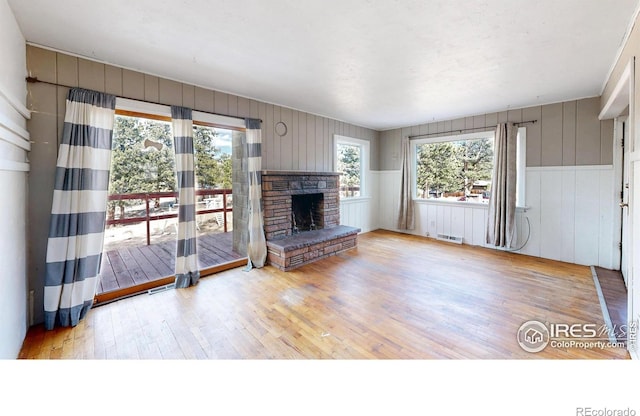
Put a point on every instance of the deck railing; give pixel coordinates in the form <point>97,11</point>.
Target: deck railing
<point>149,214</point>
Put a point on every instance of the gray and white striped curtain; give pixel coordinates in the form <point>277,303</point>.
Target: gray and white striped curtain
<point>501,226</point>
<point>187,273</point>
<point>257,245</point>
<point>78,212</point>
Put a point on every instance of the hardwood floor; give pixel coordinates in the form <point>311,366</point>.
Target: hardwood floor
<point>394,297</point>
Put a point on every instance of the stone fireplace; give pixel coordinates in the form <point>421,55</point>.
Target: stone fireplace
<point>302,217</point>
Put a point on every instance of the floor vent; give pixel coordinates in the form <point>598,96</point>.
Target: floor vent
<point>449,238</point>
<point>161,289</point>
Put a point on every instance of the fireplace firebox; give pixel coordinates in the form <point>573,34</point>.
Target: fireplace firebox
<point>307,212</point>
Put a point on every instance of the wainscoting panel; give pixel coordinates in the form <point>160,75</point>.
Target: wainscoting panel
<point>389,184</point>
<point>570,209</point>
<point>357,213</point>
<point>362,212</point>
<point>568,215</point>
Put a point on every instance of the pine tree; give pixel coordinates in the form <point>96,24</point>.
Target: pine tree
<point>349,167</point>
<point>137,169</point>
<point>213,167</point>
<point>453,166</point>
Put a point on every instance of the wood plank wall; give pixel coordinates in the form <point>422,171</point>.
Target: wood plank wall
<point>566,134</point>
<point>308,144</point>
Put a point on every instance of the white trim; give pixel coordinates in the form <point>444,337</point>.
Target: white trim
<point>387,172</point>
<point>568,168</point>
<point>17,105</point>
<point>621,47</point>
<point>521,166</point>
<point>11,166</point>
<point>355,199</point>
<point>619,98</point>
<point>616,220</point>
<point>474,205</point>
<point>128,104</point>
<point>8,134</point>
<point>10,125</point>
<point>451,203</point>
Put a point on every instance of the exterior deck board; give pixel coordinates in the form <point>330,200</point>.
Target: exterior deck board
<point>127,267</point>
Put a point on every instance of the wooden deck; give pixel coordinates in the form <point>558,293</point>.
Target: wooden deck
<point>133,266</point>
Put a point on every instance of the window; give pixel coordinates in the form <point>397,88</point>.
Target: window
<point>143,192</point>
<point>459,168</point>
<point>352,156</point>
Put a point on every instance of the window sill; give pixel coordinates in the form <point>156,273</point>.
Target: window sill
<point>480,205</point>
<point>453,203</point>
<point>354,199</point>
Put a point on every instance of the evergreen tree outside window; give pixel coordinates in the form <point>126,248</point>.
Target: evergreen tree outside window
<point>454,168</point>
<point>351,163</point>
<point>459,168</point>
<point>136,168</point>
<point>212,157</point>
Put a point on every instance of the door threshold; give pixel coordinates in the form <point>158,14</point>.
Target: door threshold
<point>148,287</point>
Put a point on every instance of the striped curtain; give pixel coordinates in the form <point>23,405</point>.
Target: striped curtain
<point>187,273</point>
<point>257,245</point>
<point>78,212</point>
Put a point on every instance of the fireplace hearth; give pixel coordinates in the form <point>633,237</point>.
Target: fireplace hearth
<point>302,217</point>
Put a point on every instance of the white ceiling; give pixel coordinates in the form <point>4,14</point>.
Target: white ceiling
<point>375,63</point>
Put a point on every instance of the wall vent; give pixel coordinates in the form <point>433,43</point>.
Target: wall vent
<point>449,238</point>
<point>160,289</point>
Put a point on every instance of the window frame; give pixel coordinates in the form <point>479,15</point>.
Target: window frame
<point>364,146</point>
<point>521,159</point>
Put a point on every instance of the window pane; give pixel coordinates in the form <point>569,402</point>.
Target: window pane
<point>349,156</point>
<point>455,170</point>
<point>213,169</point>
<point>142,158</point>
<point>212,157</point>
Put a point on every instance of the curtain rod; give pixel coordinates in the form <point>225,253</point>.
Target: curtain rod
<point>487,128</point>
<point>33,80</point>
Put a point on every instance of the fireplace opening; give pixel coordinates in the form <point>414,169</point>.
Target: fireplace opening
<point>307,212</point>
